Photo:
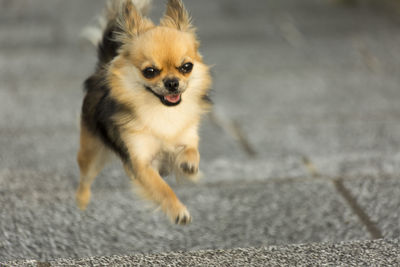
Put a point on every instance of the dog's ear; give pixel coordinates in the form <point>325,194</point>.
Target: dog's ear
<point>129,21</point>
<point>177,17</point>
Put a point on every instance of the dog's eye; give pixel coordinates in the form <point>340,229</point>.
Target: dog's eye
<point>186,68</point>
<point>150,72</point>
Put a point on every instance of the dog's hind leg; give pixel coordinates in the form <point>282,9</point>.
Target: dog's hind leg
<point>92,157</point>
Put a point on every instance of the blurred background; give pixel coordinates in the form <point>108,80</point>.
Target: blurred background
<point>302,145</point>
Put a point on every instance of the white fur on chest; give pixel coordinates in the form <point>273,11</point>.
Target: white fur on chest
<point>167,122</point>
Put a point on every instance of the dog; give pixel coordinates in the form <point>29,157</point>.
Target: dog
<point>145,102</point>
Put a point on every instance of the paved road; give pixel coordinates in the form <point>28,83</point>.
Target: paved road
<point>356,253</point>
<point>303,144</point>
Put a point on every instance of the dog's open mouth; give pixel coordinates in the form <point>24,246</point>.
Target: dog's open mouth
<point>168,100</point>
<point>173,99</point>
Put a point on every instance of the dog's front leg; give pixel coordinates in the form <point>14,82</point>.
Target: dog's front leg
<point>188,162</point>
<point>188,159</point>
<point>150,183</point>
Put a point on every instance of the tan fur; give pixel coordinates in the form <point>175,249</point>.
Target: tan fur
<point>129,19</point>
<point>92,156</point>
<point>150,130</point>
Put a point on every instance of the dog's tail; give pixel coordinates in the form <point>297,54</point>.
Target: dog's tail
<point>101,34</point>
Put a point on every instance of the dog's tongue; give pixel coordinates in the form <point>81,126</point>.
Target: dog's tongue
<point>172,98</point>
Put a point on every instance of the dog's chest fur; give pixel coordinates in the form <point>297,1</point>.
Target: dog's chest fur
<point>166,122</point>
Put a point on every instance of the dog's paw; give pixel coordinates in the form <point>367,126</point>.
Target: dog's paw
<point>188,161</point>
<point>183,217</point>
<point>83,197</point>
<point>189,168</point>
<point>178,214</point>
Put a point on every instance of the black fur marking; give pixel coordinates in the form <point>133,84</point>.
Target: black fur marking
<point>108,47</point>
<point>99,109</point>
<point>207,99</point>
<point>109,130</point>
<point>98,113</point>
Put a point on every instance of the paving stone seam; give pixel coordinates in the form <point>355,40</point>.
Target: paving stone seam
<point>235,131</point>
<point>361,214</point>
<point>372,228</point>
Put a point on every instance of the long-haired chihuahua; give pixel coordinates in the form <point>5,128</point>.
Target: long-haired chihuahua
<point>144,102</point>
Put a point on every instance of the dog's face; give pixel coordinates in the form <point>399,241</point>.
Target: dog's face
<point>164,55</point>
<point>165,58</point>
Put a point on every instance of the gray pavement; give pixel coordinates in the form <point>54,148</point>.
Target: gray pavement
<point>356,253</point>
<point>302,146</point>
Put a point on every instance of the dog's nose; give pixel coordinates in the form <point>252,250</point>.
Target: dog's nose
<point>171,84</point>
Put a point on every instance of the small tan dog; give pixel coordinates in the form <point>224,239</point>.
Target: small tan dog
<point>144,102</point>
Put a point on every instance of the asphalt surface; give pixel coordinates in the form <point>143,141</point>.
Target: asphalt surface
<point>356,253</point>
<point>302,146</point>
